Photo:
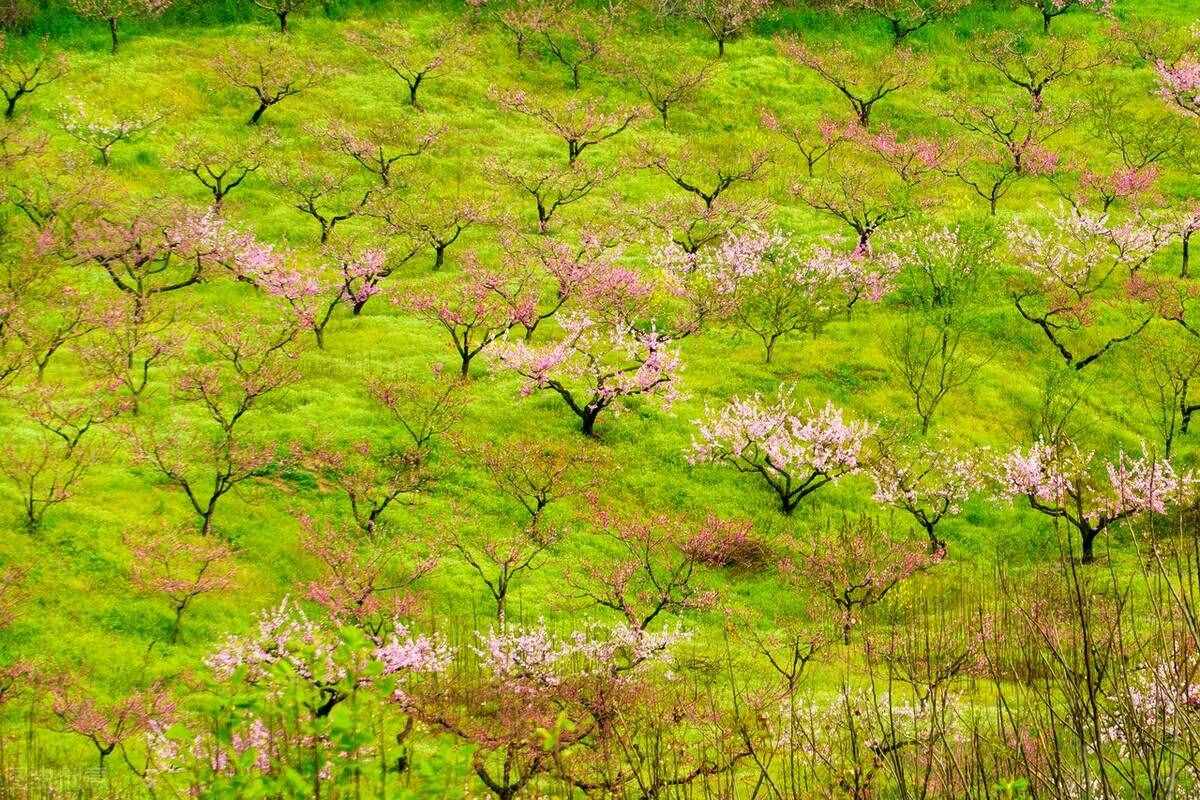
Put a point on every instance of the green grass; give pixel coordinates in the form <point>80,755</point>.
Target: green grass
<point>81,614</point>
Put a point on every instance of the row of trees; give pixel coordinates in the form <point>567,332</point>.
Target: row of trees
<point>1086,688</point>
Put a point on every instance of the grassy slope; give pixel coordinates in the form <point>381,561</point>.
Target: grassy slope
<point>82,614</point>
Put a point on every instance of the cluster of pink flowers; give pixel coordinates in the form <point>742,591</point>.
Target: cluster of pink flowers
<point>911,159</point>
<point>776,436</point>
<point>1160,707</point>
<point>1081,253</point>
<point>1034,159</point>
<point>625,646</point>
<point>407,652</point>
<point>722,543</point>
<point>1146,484</point>
<point>1124,182</point>
<point>939,477</point>
<point>531,659</point>
<point>1052,474</point>
<point>285,635</point>
<point>1179,83</point>
<point>1042,472</point>
<point>523,657</point>
<point>360,276</point>
<point>611,361</point>
<point>831,277</point>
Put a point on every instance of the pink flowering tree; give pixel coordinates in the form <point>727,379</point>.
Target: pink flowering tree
<point>536,705</point>
<point>22,75</point>
<point>653,571</point>
<point>667,77</point>
<point>855,566</point>
<point>46,324</point>
<point>328,193</point>
<point>1187,224</point>
<point>476,311</point>
<point>220,167</point>
<point>906,17</point>
<point>348,277</point>
<point>929,482</point>
<point>1073,271</point>
<point>915,160</point>
<point>599,364</point>
<point>862,197</point>
<point>537,477</point>
<point>70,413</point>
<point>551,187</point>
<point>101,131</point>
<point>271,74</point>
<point>110,725</point>
<point>276,699</point>
<point>15,674</point>
<point>430,220</point>
<point>691,225</point>
<point>1035,66</point>
<point>1067,483</point>
<point>380,148</point>
<point>1002,142</point>
<point>580,124</point>
<point>206,458</point>
<point>814,142</point>
<point>180,568</point>
<point>159,249</point>
<point>130,342</point>
<point>1177,75</point>
<point>42,471</point>
<point>373,475</point>
<point>111,12</point>
<point>1104,189</point>
<point>363,584</point>
<point>1051,9</point>
<point>704,173</point>
<point>546,275</point>
<point>725,20</point>
<point>794,452</point>
<point>774,290</point>
<point>413,61</point>
<point>573,36</point>
<point>863,82</point>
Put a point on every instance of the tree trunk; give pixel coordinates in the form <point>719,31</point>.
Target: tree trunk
<point>11,108</point>
<point>174,635</point>
<point>283,15</point>
<point>935,544</point>
<point>206,519</point>
<point>439,257</point>
<point>720,47</point>
<point>1187,246</point>
<point>112,32</point>
<point>588,426</point>
<point>257,115</point>
<point>1089,544</point>
<point>769,350</point>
